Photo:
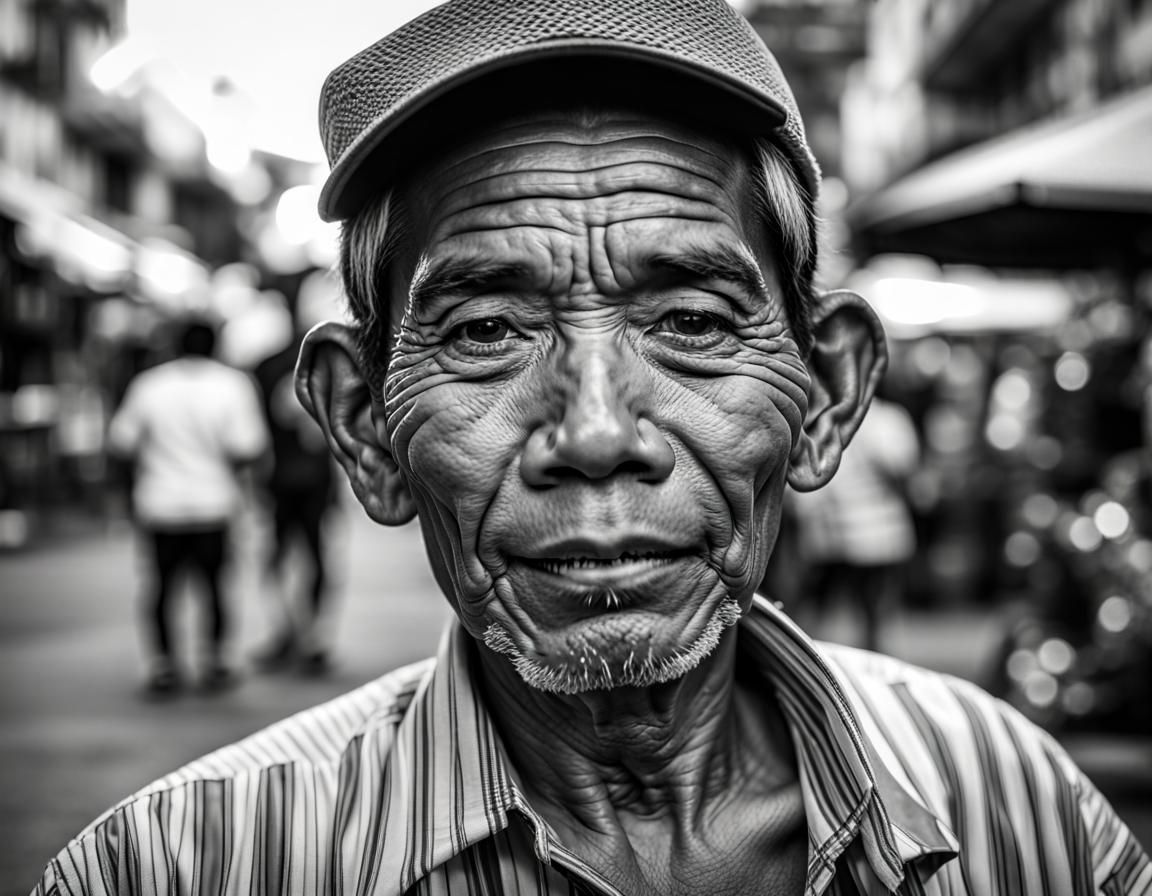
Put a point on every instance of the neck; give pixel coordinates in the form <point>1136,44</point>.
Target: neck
<point>610,761</point>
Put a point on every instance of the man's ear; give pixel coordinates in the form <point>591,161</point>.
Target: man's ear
<point>332,388</point>
<point>848,358</point>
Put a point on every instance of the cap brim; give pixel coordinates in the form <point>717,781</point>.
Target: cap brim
<point>464,98</point>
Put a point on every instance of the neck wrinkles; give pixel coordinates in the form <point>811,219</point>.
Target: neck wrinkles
<point>605,759</point>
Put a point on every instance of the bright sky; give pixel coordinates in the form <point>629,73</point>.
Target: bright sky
<point>277,51</point>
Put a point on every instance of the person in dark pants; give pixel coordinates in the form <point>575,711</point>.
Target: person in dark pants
<point>202,551</point>
<point>300,490</point>
<point>187,428</point>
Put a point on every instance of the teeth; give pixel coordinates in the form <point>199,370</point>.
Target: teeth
<point>569,563</point>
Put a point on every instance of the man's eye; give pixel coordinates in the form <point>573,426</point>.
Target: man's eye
<point>691,323</point>
<point>484,330</point>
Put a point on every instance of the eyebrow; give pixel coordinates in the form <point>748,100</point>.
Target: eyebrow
<point>714,263</point>
<point>439,282</point>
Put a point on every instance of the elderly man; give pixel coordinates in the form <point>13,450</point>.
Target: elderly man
<point>578,246</point>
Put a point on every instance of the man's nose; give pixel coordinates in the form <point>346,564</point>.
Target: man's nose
<point>599,434</point>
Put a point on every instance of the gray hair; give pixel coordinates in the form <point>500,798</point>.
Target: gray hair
<point>371,240</point>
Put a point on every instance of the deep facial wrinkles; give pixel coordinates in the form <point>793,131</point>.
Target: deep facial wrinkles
<point>668,151</point>
<point>598,238</point>
<point>467,180</point>
<point>471,601</point>
<point>554,185</point>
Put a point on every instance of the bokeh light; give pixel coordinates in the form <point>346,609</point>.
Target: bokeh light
<point>1041,689</point>
<point>1072,372</point>
<point>1111,519</point>
<point>1115,614</point>
<point>1056,656</point>
<point>1039,510</point>
<point>1084,535</point>
<point>1021,549</point>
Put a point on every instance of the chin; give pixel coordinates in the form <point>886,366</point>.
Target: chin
<point>614,651</point>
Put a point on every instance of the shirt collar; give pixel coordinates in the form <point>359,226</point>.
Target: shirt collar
<point>450,783</point>
<point>849,792</point>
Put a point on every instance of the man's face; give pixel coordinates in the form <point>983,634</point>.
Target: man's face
<point>593,393</point>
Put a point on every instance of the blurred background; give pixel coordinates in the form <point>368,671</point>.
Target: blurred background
<point>988,188</point>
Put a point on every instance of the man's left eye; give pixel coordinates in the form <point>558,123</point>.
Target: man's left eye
<point>691,323</point>
<point>484,330</point>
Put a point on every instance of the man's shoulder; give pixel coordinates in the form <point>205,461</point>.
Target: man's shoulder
<point>1005,789</point>
<point>294,779</point>
<point>149,378</point>
<point>309,745</point>
<point>869,672</point>
<point>949,713</point>
<point>185,373</point>
<point>882,668</point>
<point>218,371</point>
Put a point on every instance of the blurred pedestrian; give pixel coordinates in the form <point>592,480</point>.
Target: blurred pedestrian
<point>187,428</point>
<point>300,490</point>
<point>856,534</point>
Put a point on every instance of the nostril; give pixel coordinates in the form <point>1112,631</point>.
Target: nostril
<point>559,472</point>
<point>551,476</point>
<point>580,448</point>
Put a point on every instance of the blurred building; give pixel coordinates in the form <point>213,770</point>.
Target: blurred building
<point>124,188</point>
<point>816,43</point>
<point>54,256</point>
<point>1013,134</point>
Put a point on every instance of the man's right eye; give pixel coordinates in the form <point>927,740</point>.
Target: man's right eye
<point>484,330</point>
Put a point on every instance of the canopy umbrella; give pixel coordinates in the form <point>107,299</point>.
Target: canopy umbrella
<point>1074,192</point>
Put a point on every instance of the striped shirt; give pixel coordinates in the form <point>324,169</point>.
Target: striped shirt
<point>912,782</point>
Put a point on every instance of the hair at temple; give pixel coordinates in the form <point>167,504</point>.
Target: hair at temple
<point>371,239</point>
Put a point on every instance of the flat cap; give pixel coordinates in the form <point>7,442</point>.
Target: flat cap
<point>397,100</point>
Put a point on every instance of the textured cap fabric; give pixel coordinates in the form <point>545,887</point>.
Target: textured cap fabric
<point>398,98</point>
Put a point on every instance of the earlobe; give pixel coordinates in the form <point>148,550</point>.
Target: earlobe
<point>847,360</point>
<point>332,388</point>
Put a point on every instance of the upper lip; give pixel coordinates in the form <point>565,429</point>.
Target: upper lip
<point>602,549</point>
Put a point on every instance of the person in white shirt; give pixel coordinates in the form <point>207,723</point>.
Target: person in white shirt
<point>187,427</point>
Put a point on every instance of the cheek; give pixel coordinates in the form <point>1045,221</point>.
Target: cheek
<point>455,446</point>
<point>739,433</point>
<point>456,443</point>
<point>739,430</point>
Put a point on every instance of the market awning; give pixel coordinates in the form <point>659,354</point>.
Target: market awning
<point>1073,192</point>
<point>51,225</point>
<point>22,197</point>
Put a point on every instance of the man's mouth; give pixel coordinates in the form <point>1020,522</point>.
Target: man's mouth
<point>629,561</point>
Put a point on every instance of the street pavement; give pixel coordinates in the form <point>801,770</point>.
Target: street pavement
<point>77,734</point>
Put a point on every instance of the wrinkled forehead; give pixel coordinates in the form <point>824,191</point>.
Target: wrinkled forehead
<point>604,141</point>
